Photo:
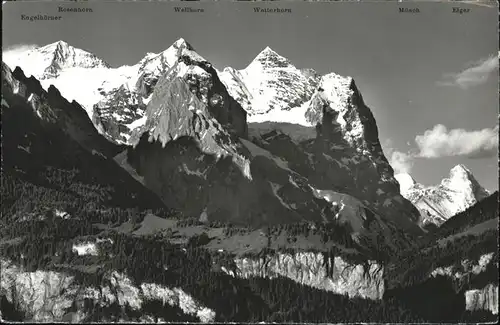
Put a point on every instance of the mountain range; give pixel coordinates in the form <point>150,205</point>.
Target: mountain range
<point>341,146</point>
<point>274,96</point>
<point>172,190</point>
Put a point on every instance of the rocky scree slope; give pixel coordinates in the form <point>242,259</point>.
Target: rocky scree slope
<point>439,203</point>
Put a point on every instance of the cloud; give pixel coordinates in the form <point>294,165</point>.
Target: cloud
<point>477,73</point>
<point>12,53</point>
<point>440,142</point>
<point>401,162</point>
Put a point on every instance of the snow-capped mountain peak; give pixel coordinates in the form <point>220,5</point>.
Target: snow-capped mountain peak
<point>111,96</point>
<point>458,175</point>
<point>268,58</point>
<point>182,43</point>
<point>461,179</point>
<point>271,88</point>
<point>160,62</point>
<point>267,51</point>
<point>440,202</point>
<point>53,47</point>
<point>50,60</point>
<point>66,56</point>
<point>136,87</point>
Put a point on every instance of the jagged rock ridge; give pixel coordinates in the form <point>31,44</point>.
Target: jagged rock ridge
<point>43,133</point>
<point>52,108</point>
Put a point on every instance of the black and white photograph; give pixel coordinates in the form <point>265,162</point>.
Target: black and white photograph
<point>249,162</point>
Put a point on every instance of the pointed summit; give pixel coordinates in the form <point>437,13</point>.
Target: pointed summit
<point>62,51</point>
<point>59,46</point>
<point>461,177</point>
<point>49,60</point>
<point>268,58</point>
<point>182,43</point>
<point>62,44</point>
<point>168,57</point>
<point>267,52</point>
<point>460,171</point>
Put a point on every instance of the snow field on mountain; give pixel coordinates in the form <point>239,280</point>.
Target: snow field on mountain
<point>439,203</point>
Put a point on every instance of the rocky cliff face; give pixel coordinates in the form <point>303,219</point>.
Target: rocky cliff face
<point>332,140</point>
<point>483,299</point>
<point>195,135</point>
<point>348,136</point>
<point>317,270</point>
<point>190,101</point>
<point>38,294</point>
<point>122,111</point>
<point>439,203</point>
<point>47,296</point>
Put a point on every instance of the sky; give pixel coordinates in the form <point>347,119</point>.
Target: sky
<point>430,79</point>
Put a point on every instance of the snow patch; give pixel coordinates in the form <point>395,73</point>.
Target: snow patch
<point>85,249</point>
<point>350,209</point>
<point>275,187</point>
<point>137,123</point>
